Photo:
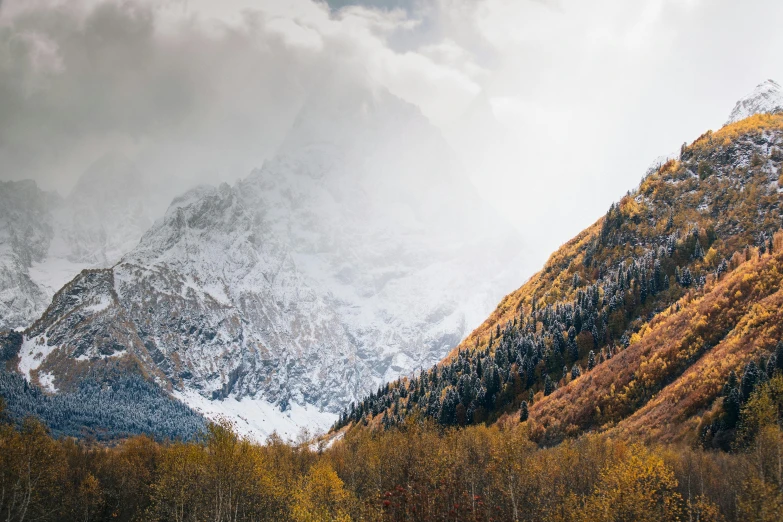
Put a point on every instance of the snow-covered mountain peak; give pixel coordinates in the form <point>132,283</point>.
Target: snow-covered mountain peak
<point>358,253</point>
<point>46,240</point>
<point>187,198</point>
<point>767,97</point>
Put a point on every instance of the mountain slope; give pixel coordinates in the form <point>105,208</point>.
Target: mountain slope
<point>25,235</point>
<point>767,98</point>
<point>634,324</point>
<point>347,260</point>
<point>46,240</point>
<point>658,387</point>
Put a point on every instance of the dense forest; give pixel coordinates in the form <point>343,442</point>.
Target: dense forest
<point>416,470</point>
<point>114,406</point>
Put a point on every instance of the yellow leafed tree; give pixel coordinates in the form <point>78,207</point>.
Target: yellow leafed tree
<point>321,496</point>
<point>639,487</point>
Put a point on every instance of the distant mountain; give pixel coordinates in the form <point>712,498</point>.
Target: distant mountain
<point>26,231</point>
<point>637,323</point>
<point>767,98</point>
<point>105,214</point>
<point>46,240</point>
<point>358,254</point>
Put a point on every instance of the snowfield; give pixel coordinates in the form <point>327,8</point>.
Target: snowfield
<point>257,419</point>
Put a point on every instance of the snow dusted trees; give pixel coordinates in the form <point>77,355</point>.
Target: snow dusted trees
<point>119,406</point>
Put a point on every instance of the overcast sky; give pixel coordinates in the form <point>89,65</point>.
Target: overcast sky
<point>556,107</point>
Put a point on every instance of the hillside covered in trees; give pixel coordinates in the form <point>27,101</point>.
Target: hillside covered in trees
<point>638,376</point>
<point>114,406</point>
<point>635,325</point>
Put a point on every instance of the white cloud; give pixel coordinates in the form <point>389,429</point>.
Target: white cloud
<point>295,34</point>
<point>557,106</point>
<point>197,88</point>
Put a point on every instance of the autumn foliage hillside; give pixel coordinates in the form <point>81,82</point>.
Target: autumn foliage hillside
<point>678,363</point>
<point>637,377</point>
<point>635,324</point>
<point>677,189</point>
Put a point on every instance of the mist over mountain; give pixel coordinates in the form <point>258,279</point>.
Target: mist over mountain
<point>49,239</point>
<point>26,233</point>
<point>647,352</point>
<point>640,325</point>
<point>276,260</point>
<point>359,253</point>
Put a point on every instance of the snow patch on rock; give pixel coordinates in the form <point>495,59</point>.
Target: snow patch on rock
<point>32,354</point>
<point>46,380</point>
<point>767,97</point>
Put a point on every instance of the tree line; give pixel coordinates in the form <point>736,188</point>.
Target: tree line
<point>416,470</point>
<point>548,346</point>
<point>659,243</point>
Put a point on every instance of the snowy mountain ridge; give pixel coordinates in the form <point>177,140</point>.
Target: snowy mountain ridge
<point>358,254</point>
<point>767,97</point>
<point>26,230</point>
<point>46,240</point>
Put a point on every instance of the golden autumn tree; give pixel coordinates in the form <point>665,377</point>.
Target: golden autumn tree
<point>321,496</point>
<point>639,487</point>
<point>32,473</point>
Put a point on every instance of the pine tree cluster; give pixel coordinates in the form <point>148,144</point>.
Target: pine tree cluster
<point>640,263</point>
<point>722,432</point>
<point>114,407</point>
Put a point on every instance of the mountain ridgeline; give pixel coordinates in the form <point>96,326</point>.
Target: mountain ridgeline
<point>603,389</point>
<point>659,326</point>
<point>46,240</point>
<point>636,324</point>
<point>353,256</point>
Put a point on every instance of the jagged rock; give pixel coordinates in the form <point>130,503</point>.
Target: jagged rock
<point>46,240</point>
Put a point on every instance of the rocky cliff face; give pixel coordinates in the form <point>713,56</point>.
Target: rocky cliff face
<point>359,253</point>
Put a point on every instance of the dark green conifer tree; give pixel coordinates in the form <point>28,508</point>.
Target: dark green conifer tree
<point>549,386</point>
<point>523,413</point>
<point>750,379</point>
<point>590,360</point>
<point>731,409</point>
